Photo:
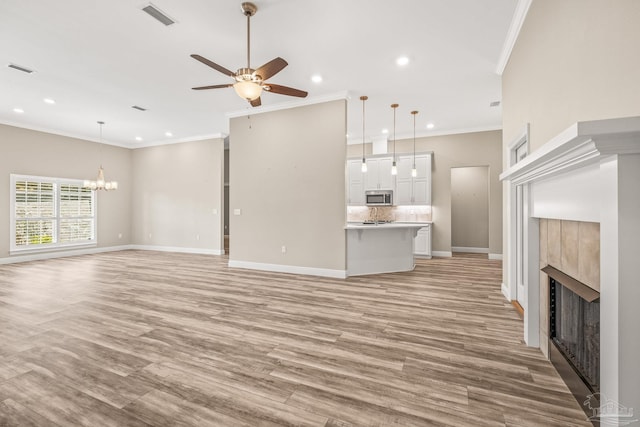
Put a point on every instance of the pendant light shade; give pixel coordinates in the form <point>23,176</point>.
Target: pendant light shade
<point>414,171</point>
<point>364,161</point>
<point>100,183</point>
<point>394,167</point>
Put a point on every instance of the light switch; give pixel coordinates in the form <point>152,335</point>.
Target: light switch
<point>214,211</point>
<point>237,212</point>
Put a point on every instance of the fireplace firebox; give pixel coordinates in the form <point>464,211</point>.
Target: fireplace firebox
<point>574,332</point>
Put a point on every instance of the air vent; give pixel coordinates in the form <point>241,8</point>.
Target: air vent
<point>158,14</point>
<point>138,108</point>
<point>20,68</point>
<point>494,104</point>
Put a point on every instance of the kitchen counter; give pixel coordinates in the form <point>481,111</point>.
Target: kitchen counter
<point>381,248</point>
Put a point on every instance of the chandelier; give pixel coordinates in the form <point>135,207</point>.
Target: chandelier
<point>100,183</point>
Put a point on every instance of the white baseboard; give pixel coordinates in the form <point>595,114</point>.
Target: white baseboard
<point>61,254</point>
<point>470,250</point>
<point>200,251</point>
<point>293,269</point>
<point>495,256</point>
<point>444,254</point>
<point>505,292</point>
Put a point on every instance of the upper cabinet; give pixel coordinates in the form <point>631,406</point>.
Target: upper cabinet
<point>413,190</point>
<point>378,175</point>
<point>408,190</point>
<point>355,181</point>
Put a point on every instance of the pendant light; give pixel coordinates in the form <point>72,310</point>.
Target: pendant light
<point>364,162</point>
<point>100,183</point>
<point>394,167</point>
<point>414,171</point>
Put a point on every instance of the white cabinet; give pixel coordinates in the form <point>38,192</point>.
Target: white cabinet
<point>422,242</point>
<point>355,182</point>
<point>378,175</point>
<point>413,190</point>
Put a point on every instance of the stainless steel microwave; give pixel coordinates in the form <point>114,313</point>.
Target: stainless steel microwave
<point>378,197</point>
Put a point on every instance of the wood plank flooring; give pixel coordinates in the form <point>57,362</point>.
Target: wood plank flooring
<point>139,338</point>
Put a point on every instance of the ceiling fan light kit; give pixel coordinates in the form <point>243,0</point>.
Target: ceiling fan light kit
<point>250,83</point>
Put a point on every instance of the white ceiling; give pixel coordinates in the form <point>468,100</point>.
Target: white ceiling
<point>96,59</point>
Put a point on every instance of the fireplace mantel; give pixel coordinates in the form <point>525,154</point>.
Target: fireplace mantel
<point>589,172</point>
<point>580,145</point>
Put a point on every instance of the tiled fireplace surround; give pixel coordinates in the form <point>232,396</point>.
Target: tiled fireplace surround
<point>583,204</point>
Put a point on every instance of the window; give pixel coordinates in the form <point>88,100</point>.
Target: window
<point>49,213</point>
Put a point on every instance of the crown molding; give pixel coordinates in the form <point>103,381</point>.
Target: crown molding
<point>287,105</point>
<point>428,133</point>
<point>519,16</point>
<point>218,135</point>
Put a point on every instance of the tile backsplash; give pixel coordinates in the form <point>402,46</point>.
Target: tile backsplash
<point>389,213</point>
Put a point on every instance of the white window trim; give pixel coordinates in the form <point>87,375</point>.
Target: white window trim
<point>13,249</point>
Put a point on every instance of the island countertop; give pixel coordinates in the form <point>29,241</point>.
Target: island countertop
<point>385,225</point>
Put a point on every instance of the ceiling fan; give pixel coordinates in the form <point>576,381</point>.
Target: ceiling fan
<point>249,83</point>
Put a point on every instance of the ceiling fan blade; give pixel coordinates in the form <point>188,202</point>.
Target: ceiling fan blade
<point>284,90</point>
<point>271,68</point>
<point>212,87</point>
<point>256,102</point>
<point>213,65</point>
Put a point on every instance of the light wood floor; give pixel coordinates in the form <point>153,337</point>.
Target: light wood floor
<point>139,338</point>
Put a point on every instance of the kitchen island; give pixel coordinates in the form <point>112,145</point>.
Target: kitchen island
<point>380,248</point>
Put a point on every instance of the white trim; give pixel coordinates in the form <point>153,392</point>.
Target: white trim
<point>519,16</point>
<point>292,269</point>
<point>496,257</point>
<point>442,254</point>
<point>287,105</point>
<point>577,146</point>
<point>505,292</point>
<point>61,254</point>
<point>427,133</point>
<point>218,135</point>
<point>470,250</point>
<point>178,249</point>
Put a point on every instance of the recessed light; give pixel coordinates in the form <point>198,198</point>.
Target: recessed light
<point>430,125</point>
<point>138,138</point>
<point>402,61</point>
<point>385,131</point>
<point>18,110</point>
<point>49,101</point>
<point>347,135</point>
<point>316,78</point>
<point>168,134</point>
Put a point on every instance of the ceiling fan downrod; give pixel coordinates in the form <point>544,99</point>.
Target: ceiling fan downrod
<point>249,9</point>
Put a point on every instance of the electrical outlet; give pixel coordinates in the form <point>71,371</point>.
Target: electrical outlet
<point>284,249</point>
<point>197,237</point>
<point>150,235</point>
<point>119,235</point>
<point>237,212</point>
<point>214,211</point>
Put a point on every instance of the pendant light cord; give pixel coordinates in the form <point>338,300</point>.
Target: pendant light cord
<point>394,106</point>
<point>363,98</point>
<point>414,138</point>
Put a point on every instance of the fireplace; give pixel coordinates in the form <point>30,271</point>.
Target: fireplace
<point>574,333</point>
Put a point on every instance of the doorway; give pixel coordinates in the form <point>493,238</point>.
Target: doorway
<point>470,209</point>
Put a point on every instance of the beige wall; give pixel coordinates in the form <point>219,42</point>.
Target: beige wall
<point>177,188</point>
<point>450,151</point>
<point>29,152</point>
<point>574,60</point>
<point>287,176</point>
<point>470,207</point>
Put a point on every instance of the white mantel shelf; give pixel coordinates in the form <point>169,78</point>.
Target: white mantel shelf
<point>579,145</point>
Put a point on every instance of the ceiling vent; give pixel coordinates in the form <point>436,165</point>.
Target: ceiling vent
<point>158,14</point>
<point>20,68</point>
<point>494,104</point>
<point>138,108</point>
